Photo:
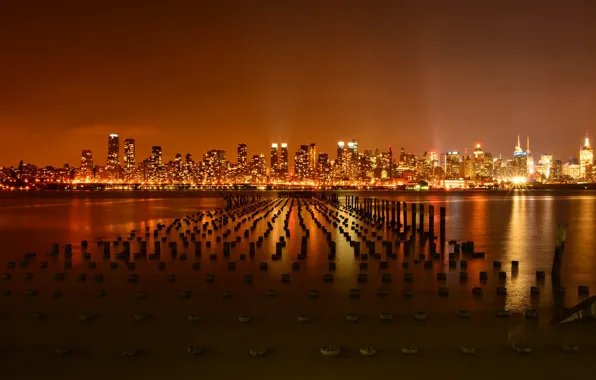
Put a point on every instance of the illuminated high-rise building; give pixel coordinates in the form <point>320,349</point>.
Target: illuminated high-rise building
<point>214,165</point>
<point>340,150</point>
<point>242,156</point>
<point>86,169</point>
<point>129,156</point>
<point>433,156</point>
<point>283,164</point>
<point>519,165</point>
<point>156,156</point>
<point>390,166</point>
<point>545,165</point>
<point>556,170</point>
<point>586,159</point>
<point>488,165</point>
<point>113,161</point>
<point>478,164</point>
<point>156,163</point>
<point>87,160</point>
<point>324,169</point>
<point>301,163</point>
<point>312,158</point>
<point>353,149</point>
<point>257,169</point>
<point>450,163</point>
<point>274,161</point>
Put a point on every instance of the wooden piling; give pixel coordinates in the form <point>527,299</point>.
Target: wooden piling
<point>431,222</point>
<point>442,216</point>
<point>421,219</point>
<point>414,206</point>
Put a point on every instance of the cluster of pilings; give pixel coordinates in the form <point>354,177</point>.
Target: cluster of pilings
<point>234,201</point>
<point>395,214</point>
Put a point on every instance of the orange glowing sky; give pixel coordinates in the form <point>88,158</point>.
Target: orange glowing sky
<point>196,75</point>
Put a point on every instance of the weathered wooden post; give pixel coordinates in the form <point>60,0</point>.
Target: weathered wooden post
<point>405,216</point>
<point>421,213</point>
<point>431,222</point>
<point>414,220</point>
<point>442,215</point>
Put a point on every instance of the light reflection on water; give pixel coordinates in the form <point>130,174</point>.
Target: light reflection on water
<point>518,226</point>
<point>513,227</point>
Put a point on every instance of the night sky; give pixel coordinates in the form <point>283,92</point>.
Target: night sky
<point>197,75</point>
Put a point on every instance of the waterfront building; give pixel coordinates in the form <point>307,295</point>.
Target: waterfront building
<point>113,160</point>
<point>214,165</point>
<point>274,161</point>
<point>544,165</point>
<point>324,168</point>
<point>312,160</point>
<point>450,163</point>
<point>86,169</point>
<point>129,157</point>
<point>519,166</point>
<point>586,160</point>
<point>301,160</point>
<point>242,156</point>
<point>478,163</point>
<point>283,164</point>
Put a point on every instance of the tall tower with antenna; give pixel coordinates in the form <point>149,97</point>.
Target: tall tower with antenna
<point>586,159</point>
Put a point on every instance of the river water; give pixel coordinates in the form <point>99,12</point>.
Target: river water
<point>518,225</point>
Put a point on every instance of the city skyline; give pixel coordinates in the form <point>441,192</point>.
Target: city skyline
<point>351,164</point>
<point>128,150</point>
<point>424,74</point>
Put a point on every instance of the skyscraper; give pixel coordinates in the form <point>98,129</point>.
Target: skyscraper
<point>156,163</point>
<point>113,161</point>
<point>450,163</point>
<point>87,160</point>
<point>545,164</point>
<point>586,160</point>
<point>215,161</point>
<point>242,156</point>
<point>519,165</point>
<point>312,158</point>
<point>86,169</point>
<point>478,164</point>
<point>156,156</point>
<point>353,149</point>
<point>129,156</point>
<point>301,160</point>
<point>323,168</point>
<point>283,165</point>
<point>340,150</point>
<point>274,161</point>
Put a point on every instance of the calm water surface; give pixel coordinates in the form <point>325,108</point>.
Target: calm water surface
<point>506,226</point>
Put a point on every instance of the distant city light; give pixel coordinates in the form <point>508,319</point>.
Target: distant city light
<point>303,167</point>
